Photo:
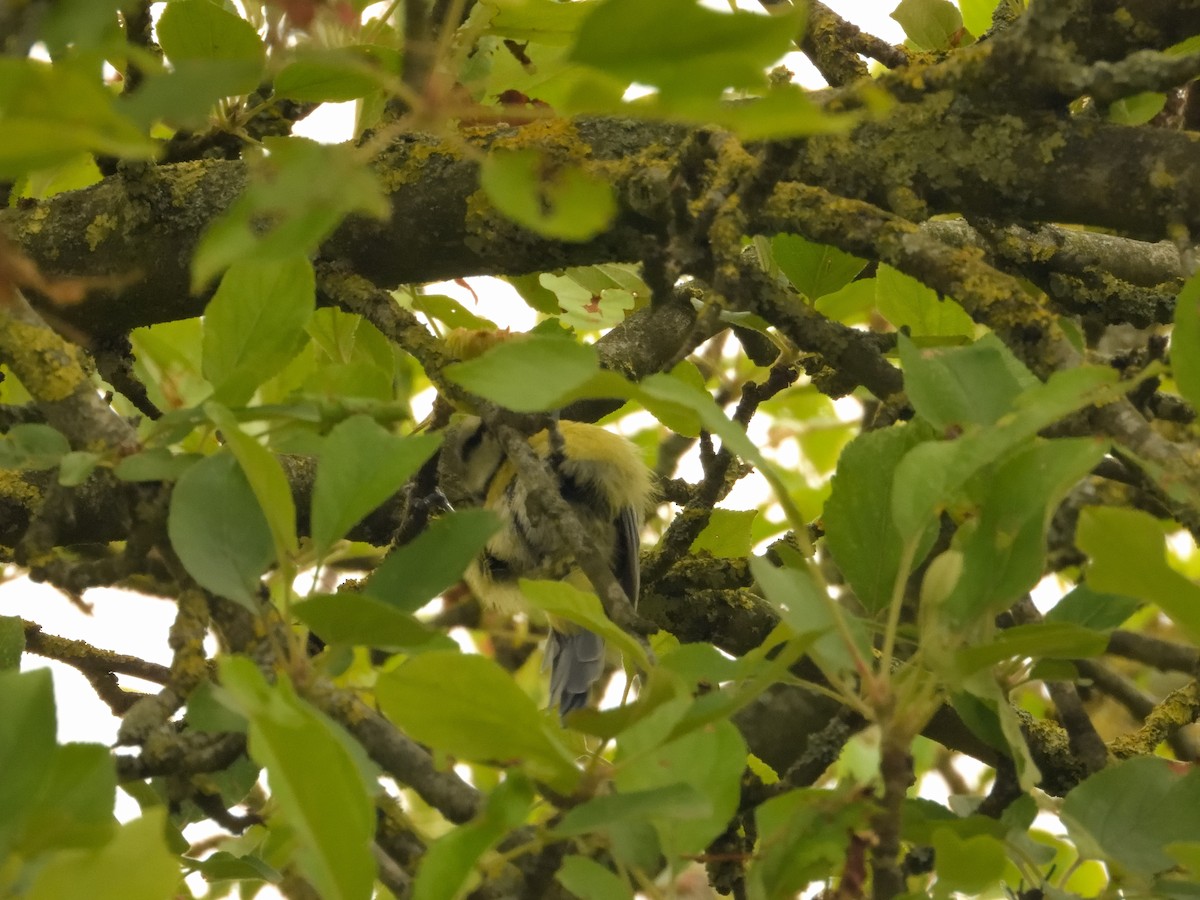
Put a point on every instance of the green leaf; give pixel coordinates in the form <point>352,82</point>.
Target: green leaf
<point>803,835</point>
<point>296,197</point>
<point>184,95</point>
<point>709,760</point>
<point>727,534</point>
<point>414,574</point>
<point>1004,551</point>
<point>956,386</point>
<point>12,642</point>
<point>814,269</point>
<point>785,111</point>
<point>1117,813</point>
<point>977,14</point>
<point>588,880</point>
<point>1185,341</point>
<point>1129,556</point>
<point>540,21</point>
<point>266,478</point>
<point>970,865</point>
<point>361,465</point>
<point>1042,640</point>
<point>75,807</point>
<point>331,75</point>
<point>199,29</point>
<point>552,199</point>
<point>76,467</point>
<point>254,324</point>
<point>792,593</point>
<point>218,529</point>
<point>33,446</point>
<point>932,474</point>
<point>533,374</point>
<point>469,707</point>
<point>1091,609</point>
<point>134,865</point>
<point>558,598</point>
<point>678,800</point>
<point>448,861</point>
<point>51,114</point>
<point>930,24</point>
<point>450,312</point>
<point>691,53</point>
<point>1137,109</point>
<point>317,782</point>
<point>27,747</point>
<point>363,621</point>
<point>859,529</point>
<point>155,464</point>
<point>907,303</point>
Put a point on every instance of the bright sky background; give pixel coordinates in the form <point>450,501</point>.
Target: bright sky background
<point>138,625</point>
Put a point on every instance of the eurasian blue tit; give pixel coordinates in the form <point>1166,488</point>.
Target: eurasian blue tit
<point>602,476</point>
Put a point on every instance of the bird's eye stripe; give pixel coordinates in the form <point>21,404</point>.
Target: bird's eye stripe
<point>471,444</point>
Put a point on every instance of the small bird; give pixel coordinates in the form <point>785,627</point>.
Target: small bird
<point>602,476</point>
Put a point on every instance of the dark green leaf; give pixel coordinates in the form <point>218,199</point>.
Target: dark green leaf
<point>554,200</point>
<point>1086,607</point>
<point>1004,550</point>
<point>361,465</point>
<point>1118,813</point>
<point>710,761</point>
<point>1129,557</point>
<point>797,599</point>
<point>414,574</point>
<point>449,860</point>
<point>218,529</point>
<point>316,780</point>
<point>932,474</point>
<point>266,478</point>
<point>859,529</point>
<point>957,386</point>
<point>254,324</point>
<point>1039,641</point>
<point>677,800</point>
<point>469,707</point>
<point>296,197</point>
<point>803,834</point>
